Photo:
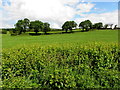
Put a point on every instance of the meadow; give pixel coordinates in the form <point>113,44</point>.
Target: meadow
<point>77,37</point>
<point>61,61</point>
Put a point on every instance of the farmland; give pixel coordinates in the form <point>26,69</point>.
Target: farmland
<point>59,45</point>
<point>77,37</point>
<point>60,61</point>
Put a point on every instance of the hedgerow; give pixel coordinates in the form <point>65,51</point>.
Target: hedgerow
<point>76,66</point>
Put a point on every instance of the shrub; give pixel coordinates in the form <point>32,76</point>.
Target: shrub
<point>3,31</point>
<point>13,32</point>
<point>53,67</point>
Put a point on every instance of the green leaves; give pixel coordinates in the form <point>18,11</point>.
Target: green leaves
<point>90,66</point>
<point>69,25</point>
<point>36,25</point>
<point>22,25</point>
<point>87,24</point>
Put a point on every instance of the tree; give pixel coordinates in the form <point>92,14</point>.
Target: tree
<point>65,26</point>
<point>73,24</point>
<point>69,25</point>
<point>111,25</point>
<point>46,27</point>
<point>22,25</point>
<point>19,26</point>
<point>106,26</point>
<point>86,25</point>
<point>98,25</point>
<point>26,24</point>
<point>115,27</point>
<point>37,26</point>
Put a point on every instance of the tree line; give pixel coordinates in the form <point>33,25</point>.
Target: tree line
<point>26,25</point>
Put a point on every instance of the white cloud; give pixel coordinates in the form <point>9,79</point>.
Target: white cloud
<point>53,11</point>
<point>84,7</point>
<point>0,19</point>
<point>70,2</point>
<point>0,3</point>
<point>106,18</point>
<point>56,12</point>
<point>101,0</point>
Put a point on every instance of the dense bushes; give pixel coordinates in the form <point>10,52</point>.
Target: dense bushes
<point>90,66</point>
<point>3,31</point>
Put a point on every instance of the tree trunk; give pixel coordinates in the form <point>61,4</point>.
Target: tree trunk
<point>66,30</point>
<point>20,32</point>
<point>45,32</point>
<point>36,33</point>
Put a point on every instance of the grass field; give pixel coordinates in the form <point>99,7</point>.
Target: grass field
<point>78,37</point>
<point>61,61</point>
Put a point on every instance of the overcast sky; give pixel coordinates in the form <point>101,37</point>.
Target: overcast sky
<point>56,12</point>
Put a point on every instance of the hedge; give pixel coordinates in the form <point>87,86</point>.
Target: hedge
<point>3,31</point>
<point>59,67</point>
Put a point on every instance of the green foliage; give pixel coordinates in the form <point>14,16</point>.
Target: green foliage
<point>22,25</point>
<point>36,25</point>
<point>26,24</point>
<point>97,25</point>
<point>14,32</point>
<point>106,26</point>
<point>69,66</point>
<point>69,25</point>
<point>3,31</point>
<point>107,36</point>
<point>86,25</point>
<point>46,27</point>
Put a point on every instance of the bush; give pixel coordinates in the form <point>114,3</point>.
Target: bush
<point>13,32</point>
<point>53,67</point>
<point>3,31</point>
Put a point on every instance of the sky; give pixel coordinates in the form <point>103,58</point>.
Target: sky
<point>56,12</point>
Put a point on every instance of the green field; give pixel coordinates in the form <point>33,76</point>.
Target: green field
<point>73,38</point>
<point>60,61</point>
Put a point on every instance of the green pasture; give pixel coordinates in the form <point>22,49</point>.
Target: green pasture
<point>9,41</point>
<point>58,61</point>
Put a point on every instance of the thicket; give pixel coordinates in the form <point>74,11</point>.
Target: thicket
<point>3,31</point>
<point>68,66</point>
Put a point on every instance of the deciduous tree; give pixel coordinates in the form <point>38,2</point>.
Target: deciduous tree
<point>69,25</point>
<point>46,28</point>
<point>86,25</point>
<point>98,25</point>
<point>36,25</point>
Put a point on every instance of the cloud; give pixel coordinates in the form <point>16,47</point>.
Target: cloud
<point>84,7</point>
<point>106,18</point>
<point>56,12</point>
<point>71,2</point>
<point>101,0</point>
<point>53,11</point>
<point>0,19</point>
<point>0,3</point>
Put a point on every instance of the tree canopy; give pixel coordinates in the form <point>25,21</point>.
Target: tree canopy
<point>22,25</point>
<point>25,25</point>
<point>98,25</point>
<point>36,25</point>
<point>86,25</point>
<point>19,26</point>
<point>46,27</point>
<point>69,25</point>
